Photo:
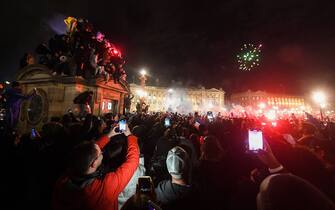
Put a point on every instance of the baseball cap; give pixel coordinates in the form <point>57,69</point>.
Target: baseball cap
<point>177,162</point>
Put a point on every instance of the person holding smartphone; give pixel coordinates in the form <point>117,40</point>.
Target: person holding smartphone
<point>122,125</point>
<point>266,156</point>
<point>144,198</point>
<point>86,185</point>
<point>167,122</point>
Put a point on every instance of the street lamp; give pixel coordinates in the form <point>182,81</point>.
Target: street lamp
<point>143,77</point>
<point>320,98</point>
<point>143,72</point>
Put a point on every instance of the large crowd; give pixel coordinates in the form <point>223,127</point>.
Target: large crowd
<point>168,161</point>
<point>81,51</point>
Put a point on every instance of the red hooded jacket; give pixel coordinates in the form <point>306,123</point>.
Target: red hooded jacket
<point>98,193</point>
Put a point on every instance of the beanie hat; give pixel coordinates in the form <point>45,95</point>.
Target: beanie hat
<point>177,162</point>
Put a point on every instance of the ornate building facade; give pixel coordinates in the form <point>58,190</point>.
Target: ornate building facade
<point>254,98</point>
<point>183,100</point>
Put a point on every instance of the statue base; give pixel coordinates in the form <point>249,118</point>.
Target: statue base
<point>56,93</point>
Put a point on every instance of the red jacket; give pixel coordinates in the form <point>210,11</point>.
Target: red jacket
<point>99,194</point>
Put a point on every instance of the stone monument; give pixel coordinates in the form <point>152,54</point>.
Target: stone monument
<point>56,93</point>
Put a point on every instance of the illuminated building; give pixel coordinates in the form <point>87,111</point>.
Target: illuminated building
<point>255,98</point>
<point>183,100</point>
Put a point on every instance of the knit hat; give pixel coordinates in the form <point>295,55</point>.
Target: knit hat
<point>177,162</point>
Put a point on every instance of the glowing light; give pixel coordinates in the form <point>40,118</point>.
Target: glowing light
<point>7,82</point>
<point>262,105</point>
<point>141,93</point>
<point>143,72</point>
<point>271,115</point>
<point>319,97</point>
<point>170,90</point>
<point>115,51</point>
<point>274,124</point>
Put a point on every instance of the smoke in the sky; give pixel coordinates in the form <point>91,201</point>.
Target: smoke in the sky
<point>178,101</point>
<point>56,23</point>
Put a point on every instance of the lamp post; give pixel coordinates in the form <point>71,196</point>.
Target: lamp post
<point>320,98</point>
<point>143,77</point>
<point>141,92</point>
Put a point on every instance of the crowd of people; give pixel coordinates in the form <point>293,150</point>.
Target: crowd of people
<point>191,162</point>
<point>81,51</point>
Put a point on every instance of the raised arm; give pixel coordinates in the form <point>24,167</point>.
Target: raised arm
<point>117,181</point>
<point>102,141</point>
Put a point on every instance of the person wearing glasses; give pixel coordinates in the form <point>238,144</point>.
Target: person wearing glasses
<point>87,185</point>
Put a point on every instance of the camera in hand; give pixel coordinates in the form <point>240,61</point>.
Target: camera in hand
<point>122,125</point>
<point>167,122</point>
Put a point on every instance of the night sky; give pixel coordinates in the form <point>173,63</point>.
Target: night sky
<point>194,43</point>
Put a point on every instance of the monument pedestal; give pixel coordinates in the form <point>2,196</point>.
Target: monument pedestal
<point>56,93</point>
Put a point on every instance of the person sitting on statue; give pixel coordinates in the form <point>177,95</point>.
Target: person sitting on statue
<point>94,61</point>
<point>44,54</point>
<point>123,76</point>
<point>62,68</point>
<point>26,60</point>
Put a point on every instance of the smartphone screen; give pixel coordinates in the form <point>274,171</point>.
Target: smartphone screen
<point>145,184</point>
<point>255,140</point>
<point>33,132</point>
<point>167,122</point>
<point>122,125</point>
<point>196,125</point>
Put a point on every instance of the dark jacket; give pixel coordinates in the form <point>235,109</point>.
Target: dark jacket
<point>173,196</point>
